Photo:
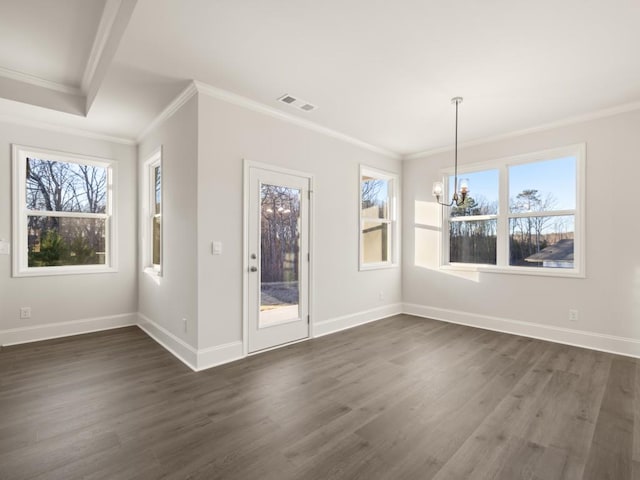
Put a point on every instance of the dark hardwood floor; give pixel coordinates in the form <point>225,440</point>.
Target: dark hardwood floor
<point>402,398</point>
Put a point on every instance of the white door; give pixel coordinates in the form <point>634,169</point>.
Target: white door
<point>278,263</point>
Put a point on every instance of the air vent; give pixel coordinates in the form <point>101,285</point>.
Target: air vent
<point>297,103</point>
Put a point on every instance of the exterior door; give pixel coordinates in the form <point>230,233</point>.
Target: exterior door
<point>278,263</point>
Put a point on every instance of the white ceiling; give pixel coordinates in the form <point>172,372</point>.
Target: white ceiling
<point>49,40</point>
<point>381,72</point>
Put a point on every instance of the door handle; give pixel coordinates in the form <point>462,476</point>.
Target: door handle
<point>253,269</point>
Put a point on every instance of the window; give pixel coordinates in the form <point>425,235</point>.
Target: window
<point>63,213</point>
<point>153,214</point>
<point>378,229</point>
<point>522,215</point>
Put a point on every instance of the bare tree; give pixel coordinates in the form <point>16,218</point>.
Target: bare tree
<point>65,187</point>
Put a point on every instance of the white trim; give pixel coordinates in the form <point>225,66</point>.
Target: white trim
<point>176,346</point>
<point>37,333</point>
<point>109,14</point>
<point>247,165</point>
<point>39,82</point>
<point>148,192</point>
<point>607,112</point>
<point>193,358</point>
<point>20,213</point>
<point>578,338</point>
<point>259,107</point>
<point>393,219</point>
<point>51,127</point>
<point>182,98</point>
<point>501,166</point>
<point>345,322</point>
<point>219,355</point>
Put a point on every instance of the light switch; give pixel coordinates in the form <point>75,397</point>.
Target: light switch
<point>5,247</point>
<point>216,248</point>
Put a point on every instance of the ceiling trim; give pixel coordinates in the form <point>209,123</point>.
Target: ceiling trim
<point>39,82</point>
<point>607,112</point>
<point>182,98</point>
<point>236,99</point>
<point>62,129</point>
<point>109,14</point>
<point>113,23</point>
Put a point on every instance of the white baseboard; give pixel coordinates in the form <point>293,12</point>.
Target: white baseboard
<point>579,338</point>
<point>337,324</point>
<point>218,355</point>
<point>193,358</point>
<point>176,346</point>
<point>36,333</point>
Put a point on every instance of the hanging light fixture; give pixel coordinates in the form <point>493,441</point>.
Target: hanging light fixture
<point>459,194</point>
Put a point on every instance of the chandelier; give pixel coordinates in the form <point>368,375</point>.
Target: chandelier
<point>460,190</point>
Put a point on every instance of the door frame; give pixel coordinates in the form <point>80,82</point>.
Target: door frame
<point>247,165</point>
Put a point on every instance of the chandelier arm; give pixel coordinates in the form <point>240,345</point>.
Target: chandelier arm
<point>455,183</point>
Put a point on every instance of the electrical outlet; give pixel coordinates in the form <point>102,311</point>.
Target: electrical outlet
<point>573,315</point>
<point>381,295</point>
<point>25,312</point>
<point>184,325</point>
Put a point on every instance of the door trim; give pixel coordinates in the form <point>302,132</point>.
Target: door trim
<point>247,165</point>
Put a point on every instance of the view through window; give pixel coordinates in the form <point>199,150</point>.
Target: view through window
<point>531,225</point>
<point>377,218</point>
<point>63,211</point>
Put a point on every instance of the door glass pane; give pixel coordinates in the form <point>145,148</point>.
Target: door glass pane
<point>279,254</point>
<point>473,241</point>
<point>543,186</point>
<point>545,242</point>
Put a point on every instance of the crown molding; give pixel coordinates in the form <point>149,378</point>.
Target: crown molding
<point>39,82</point>
<point>182,98</point>
<point>607,112</point>
<point>259,107</point>
<point>109,14</point>
<point>68,130</point>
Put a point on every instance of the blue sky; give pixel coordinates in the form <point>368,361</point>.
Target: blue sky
<point>556,176</point>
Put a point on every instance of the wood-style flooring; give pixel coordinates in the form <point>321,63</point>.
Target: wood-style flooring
<point>401,398</point>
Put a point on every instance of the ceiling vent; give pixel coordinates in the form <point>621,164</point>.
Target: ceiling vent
<point>297,103</point>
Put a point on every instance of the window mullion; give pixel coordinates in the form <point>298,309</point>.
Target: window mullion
<point>57,213</point>
<point>502,247</point>
<point>543,213</point>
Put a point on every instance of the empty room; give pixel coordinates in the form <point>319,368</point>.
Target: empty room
<point>278,239</point>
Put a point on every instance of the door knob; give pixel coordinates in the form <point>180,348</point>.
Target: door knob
<point>253,269</point>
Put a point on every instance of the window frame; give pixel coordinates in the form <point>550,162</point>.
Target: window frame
<point>153,161</point>
<point>392,221</point>
<point>20,261</point>
<point>578,151</point>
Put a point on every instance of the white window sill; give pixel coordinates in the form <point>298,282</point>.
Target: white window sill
<point>153,272</point>
<point>533,271</point>
<point>378,266</point>
<point>53,271</point>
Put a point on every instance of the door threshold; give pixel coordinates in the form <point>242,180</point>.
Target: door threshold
<point>268,349</point>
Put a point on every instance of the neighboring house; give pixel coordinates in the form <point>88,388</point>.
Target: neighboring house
<point>558,255</point>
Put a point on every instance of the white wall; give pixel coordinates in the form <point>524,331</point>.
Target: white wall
<point>166,300</point>
<point>91,301</point>
<point>228,134</point>
<point>608,300</point>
